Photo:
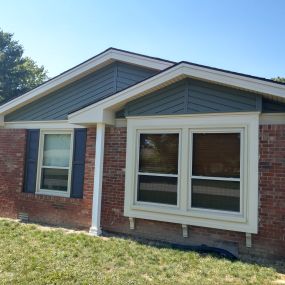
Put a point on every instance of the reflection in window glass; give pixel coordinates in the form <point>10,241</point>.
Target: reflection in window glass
<point>158,168</point>
<point>159,153</point>
<point>216,155</point>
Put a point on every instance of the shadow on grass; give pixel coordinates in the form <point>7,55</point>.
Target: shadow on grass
<point>203,250</point>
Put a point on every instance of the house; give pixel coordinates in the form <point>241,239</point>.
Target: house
<point>138,145</point>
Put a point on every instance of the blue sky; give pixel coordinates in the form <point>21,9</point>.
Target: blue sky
<point>244,36</point>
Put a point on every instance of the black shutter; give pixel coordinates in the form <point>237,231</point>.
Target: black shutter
<point>32,149</point>
<point>78,163</point>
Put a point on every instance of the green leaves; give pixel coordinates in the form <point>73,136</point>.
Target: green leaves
<point>279,79</point>
<point>18,74</point>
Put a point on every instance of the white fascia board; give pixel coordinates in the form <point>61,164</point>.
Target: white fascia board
<point>95,112</point>
<point>80,71</point>
<point>148,62</point>
<point>234,80</point>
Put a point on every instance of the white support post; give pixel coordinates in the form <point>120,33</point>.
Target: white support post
<point>185,231</point>
<point>248,241</point>
<point>98,177</point>
<point>132,223</point>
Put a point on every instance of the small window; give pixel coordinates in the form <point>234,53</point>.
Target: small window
<point>55,163</point>
<point>215,177</point>
<point>158,168</point>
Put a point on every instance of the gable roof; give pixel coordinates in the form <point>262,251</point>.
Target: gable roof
<point>170,72</point>
<point>102,111</point>
<point>97,62</point>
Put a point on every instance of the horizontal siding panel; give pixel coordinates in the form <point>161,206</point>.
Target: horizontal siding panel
<point>91,88</point>
<point>129,75</point>
<point>59,106</point>
<point>193,96</point>
<point>70,105</point>
<point>227,95</point>
<point>218,103</point>
<point>270,106</point>
<point>169,100</point>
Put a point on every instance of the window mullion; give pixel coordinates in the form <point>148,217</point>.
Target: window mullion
<point>184,166</point>
<point>158,174</point>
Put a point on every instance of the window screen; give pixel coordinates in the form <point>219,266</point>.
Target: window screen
<point>215,180</point>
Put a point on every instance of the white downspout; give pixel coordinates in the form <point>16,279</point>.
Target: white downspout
<point>98,177</point>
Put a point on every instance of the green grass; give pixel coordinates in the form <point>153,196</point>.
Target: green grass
<point>32,255</point>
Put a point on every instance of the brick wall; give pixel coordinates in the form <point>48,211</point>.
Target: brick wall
<point>41,208</point>
<point>268,243</point>
<point>12,157</point>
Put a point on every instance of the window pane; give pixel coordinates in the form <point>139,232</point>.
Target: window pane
<point>54,179</point>
<point>216,155</point>
<point>218,195</point>
<point>157,189</point>
<point>56,150</point>
<point>159,153</point>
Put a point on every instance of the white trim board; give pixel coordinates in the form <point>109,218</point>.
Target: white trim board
<point>98,111</point>
<point>60,124</point>
<point>81,70</point>
<point>272,119</point>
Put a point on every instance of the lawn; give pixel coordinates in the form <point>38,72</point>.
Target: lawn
<point>35,255</point>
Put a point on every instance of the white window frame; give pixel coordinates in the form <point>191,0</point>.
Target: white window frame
<point>243,170</point>
<point>246,220</point>
<point>44,132</point>
<point>169,131</point>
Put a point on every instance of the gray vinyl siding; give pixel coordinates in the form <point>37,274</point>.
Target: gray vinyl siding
<point>270,106</point>
<point>191,96</point>
<point>85,91</point>
<point>129,75</point>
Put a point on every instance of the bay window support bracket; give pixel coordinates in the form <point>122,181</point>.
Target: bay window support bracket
<point>185,231</point>
<point>132,223</point>
<point>248,241</point>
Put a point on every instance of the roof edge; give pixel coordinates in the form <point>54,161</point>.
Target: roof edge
<point>177,72</point>
<point>100,60</point>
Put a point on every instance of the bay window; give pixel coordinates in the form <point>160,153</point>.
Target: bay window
<point>196,170</point>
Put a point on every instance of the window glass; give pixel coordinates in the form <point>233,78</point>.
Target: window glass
<point>56,150</point>
<point>55,170</point>
<point>158,168</point>
<point>157,189</point>
<point>159,153</point>
<point>54,179</point>
<point>216,154</point>
<point>218,195</point>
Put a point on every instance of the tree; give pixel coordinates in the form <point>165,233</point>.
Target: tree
<point>18,74</point>
<point>279,79</point>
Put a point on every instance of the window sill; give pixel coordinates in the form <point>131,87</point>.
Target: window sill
<point>53,193</point>
<point>217,220</point>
